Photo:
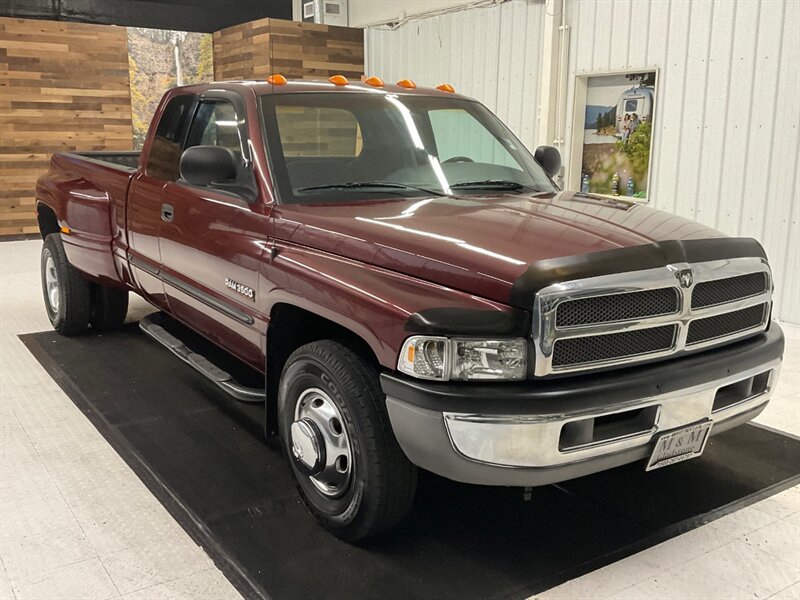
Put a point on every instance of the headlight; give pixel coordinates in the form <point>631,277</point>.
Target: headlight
<point>443,359</point>
<point>489,359</point>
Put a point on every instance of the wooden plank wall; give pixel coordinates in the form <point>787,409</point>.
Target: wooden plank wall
<point>242,51</point>
<point>297,50</point>
<point>312,51</point>
<point>63,86</point>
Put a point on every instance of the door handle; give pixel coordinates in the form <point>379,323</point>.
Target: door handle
<point>167,213</point>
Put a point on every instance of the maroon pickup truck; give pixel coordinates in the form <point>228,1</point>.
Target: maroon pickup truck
<point>415,289</point>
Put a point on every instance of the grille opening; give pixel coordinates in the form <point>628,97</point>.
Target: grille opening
<point>598,348</point>
<point>618,307</point>
<point>720,291</point>
<point>734,393</point>
<point>709,328</point>
<point>596,430</point>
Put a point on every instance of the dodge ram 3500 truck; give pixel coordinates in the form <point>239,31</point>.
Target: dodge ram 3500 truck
<point>415,289</point>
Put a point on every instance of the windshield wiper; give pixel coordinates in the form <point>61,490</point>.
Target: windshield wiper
<point>505,184</point>
<point>355,185</point>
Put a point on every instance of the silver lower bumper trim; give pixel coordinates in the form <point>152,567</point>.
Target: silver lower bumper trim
<point>538,440</point>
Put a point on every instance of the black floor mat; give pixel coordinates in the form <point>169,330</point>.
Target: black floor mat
<point>204,456</point>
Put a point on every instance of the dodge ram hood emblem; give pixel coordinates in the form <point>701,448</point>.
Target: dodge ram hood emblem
<point>686,277</point>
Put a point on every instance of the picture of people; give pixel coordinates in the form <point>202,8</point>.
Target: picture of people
<point>618,128</point>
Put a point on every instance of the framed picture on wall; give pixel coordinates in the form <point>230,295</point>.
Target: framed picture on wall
<point>613,130</point>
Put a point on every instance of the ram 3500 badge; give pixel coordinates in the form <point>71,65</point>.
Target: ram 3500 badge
<point>239,288</point>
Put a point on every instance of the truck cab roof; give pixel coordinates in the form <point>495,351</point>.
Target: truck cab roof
<point>298,86</point>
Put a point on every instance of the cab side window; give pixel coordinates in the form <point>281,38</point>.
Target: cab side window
<point>165,150</point>
<point>216,124</point>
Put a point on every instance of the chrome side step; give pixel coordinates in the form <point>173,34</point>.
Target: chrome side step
<point>221,378</point>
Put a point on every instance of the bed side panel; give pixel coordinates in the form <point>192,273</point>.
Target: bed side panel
<point>88,198</point>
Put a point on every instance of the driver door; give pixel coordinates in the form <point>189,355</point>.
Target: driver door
<point>212,244</point>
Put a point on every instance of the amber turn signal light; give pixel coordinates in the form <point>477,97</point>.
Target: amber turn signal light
<point>338,80</point>
<point>407,83</point>
<point>446,87</point>
<point>374,81</point>
<point>276,79</point>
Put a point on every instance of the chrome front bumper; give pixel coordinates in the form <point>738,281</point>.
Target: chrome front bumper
<point>552,440</point>
<point>537,434</point>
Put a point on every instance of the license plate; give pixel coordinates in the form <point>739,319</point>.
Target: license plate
<point>677,446</point>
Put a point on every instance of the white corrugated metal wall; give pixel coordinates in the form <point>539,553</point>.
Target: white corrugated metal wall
<point>727,143</point>
<point>492,54</point>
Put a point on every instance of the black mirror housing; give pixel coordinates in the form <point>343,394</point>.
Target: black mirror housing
<point>203,165</point>
<point>550,159</point>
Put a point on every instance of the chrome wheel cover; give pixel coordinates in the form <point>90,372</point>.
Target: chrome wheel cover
<point>51,283</point>
<point>332,477</point>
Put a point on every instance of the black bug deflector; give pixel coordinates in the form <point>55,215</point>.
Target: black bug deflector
<point>634,258</point>
<point>517,320</point>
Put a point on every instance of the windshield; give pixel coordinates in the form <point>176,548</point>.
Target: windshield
<point>344,147</point>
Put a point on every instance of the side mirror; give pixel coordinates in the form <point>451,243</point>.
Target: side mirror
<point>202,165</point>
<point>549,158</point>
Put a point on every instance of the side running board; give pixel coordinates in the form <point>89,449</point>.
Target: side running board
<point>221,378</point>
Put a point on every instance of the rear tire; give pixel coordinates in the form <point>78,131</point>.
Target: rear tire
<point>109,307</point>
<point>350,470</point>
<point>67,295</point>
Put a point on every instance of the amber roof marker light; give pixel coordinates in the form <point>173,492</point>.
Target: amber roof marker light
<point>276,79</point>
<point>446,87</point>
<point>374,81</point>
<point>407,83</point>
<point>338,80</point>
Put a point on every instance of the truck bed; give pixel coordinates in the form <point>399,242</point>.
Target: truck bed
<point>127,160</point>
<point>86,192</point>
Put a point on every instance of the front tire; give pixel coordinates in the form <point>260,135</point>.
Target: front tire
<point>350,470</point>
<point>67,296</point>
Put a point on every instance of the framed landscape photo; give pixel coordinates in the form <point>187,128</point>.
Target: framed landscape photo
<point>613,130</point>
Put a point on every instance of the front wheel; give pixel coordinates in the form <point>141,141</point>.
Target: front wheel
<point>67,296</point>
<point>350,471</point>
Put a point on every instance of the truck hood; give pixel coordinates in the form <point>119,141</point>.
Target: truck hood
<point>478,244</point>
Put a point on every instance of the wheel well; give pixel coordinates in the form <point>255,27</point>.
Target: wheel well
<point>291,327</point>
<point>48,223</point>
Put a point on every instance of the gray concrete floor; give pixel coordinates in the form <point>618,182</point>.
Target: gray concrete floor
<point>76,522</point>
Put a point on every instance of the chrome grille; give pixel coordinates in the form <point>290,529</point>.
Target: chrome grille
<point>618,307</point>
<point>720,291</point>
<point>623,318</point>
<point>711,328</point>
<point>601,348</point>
